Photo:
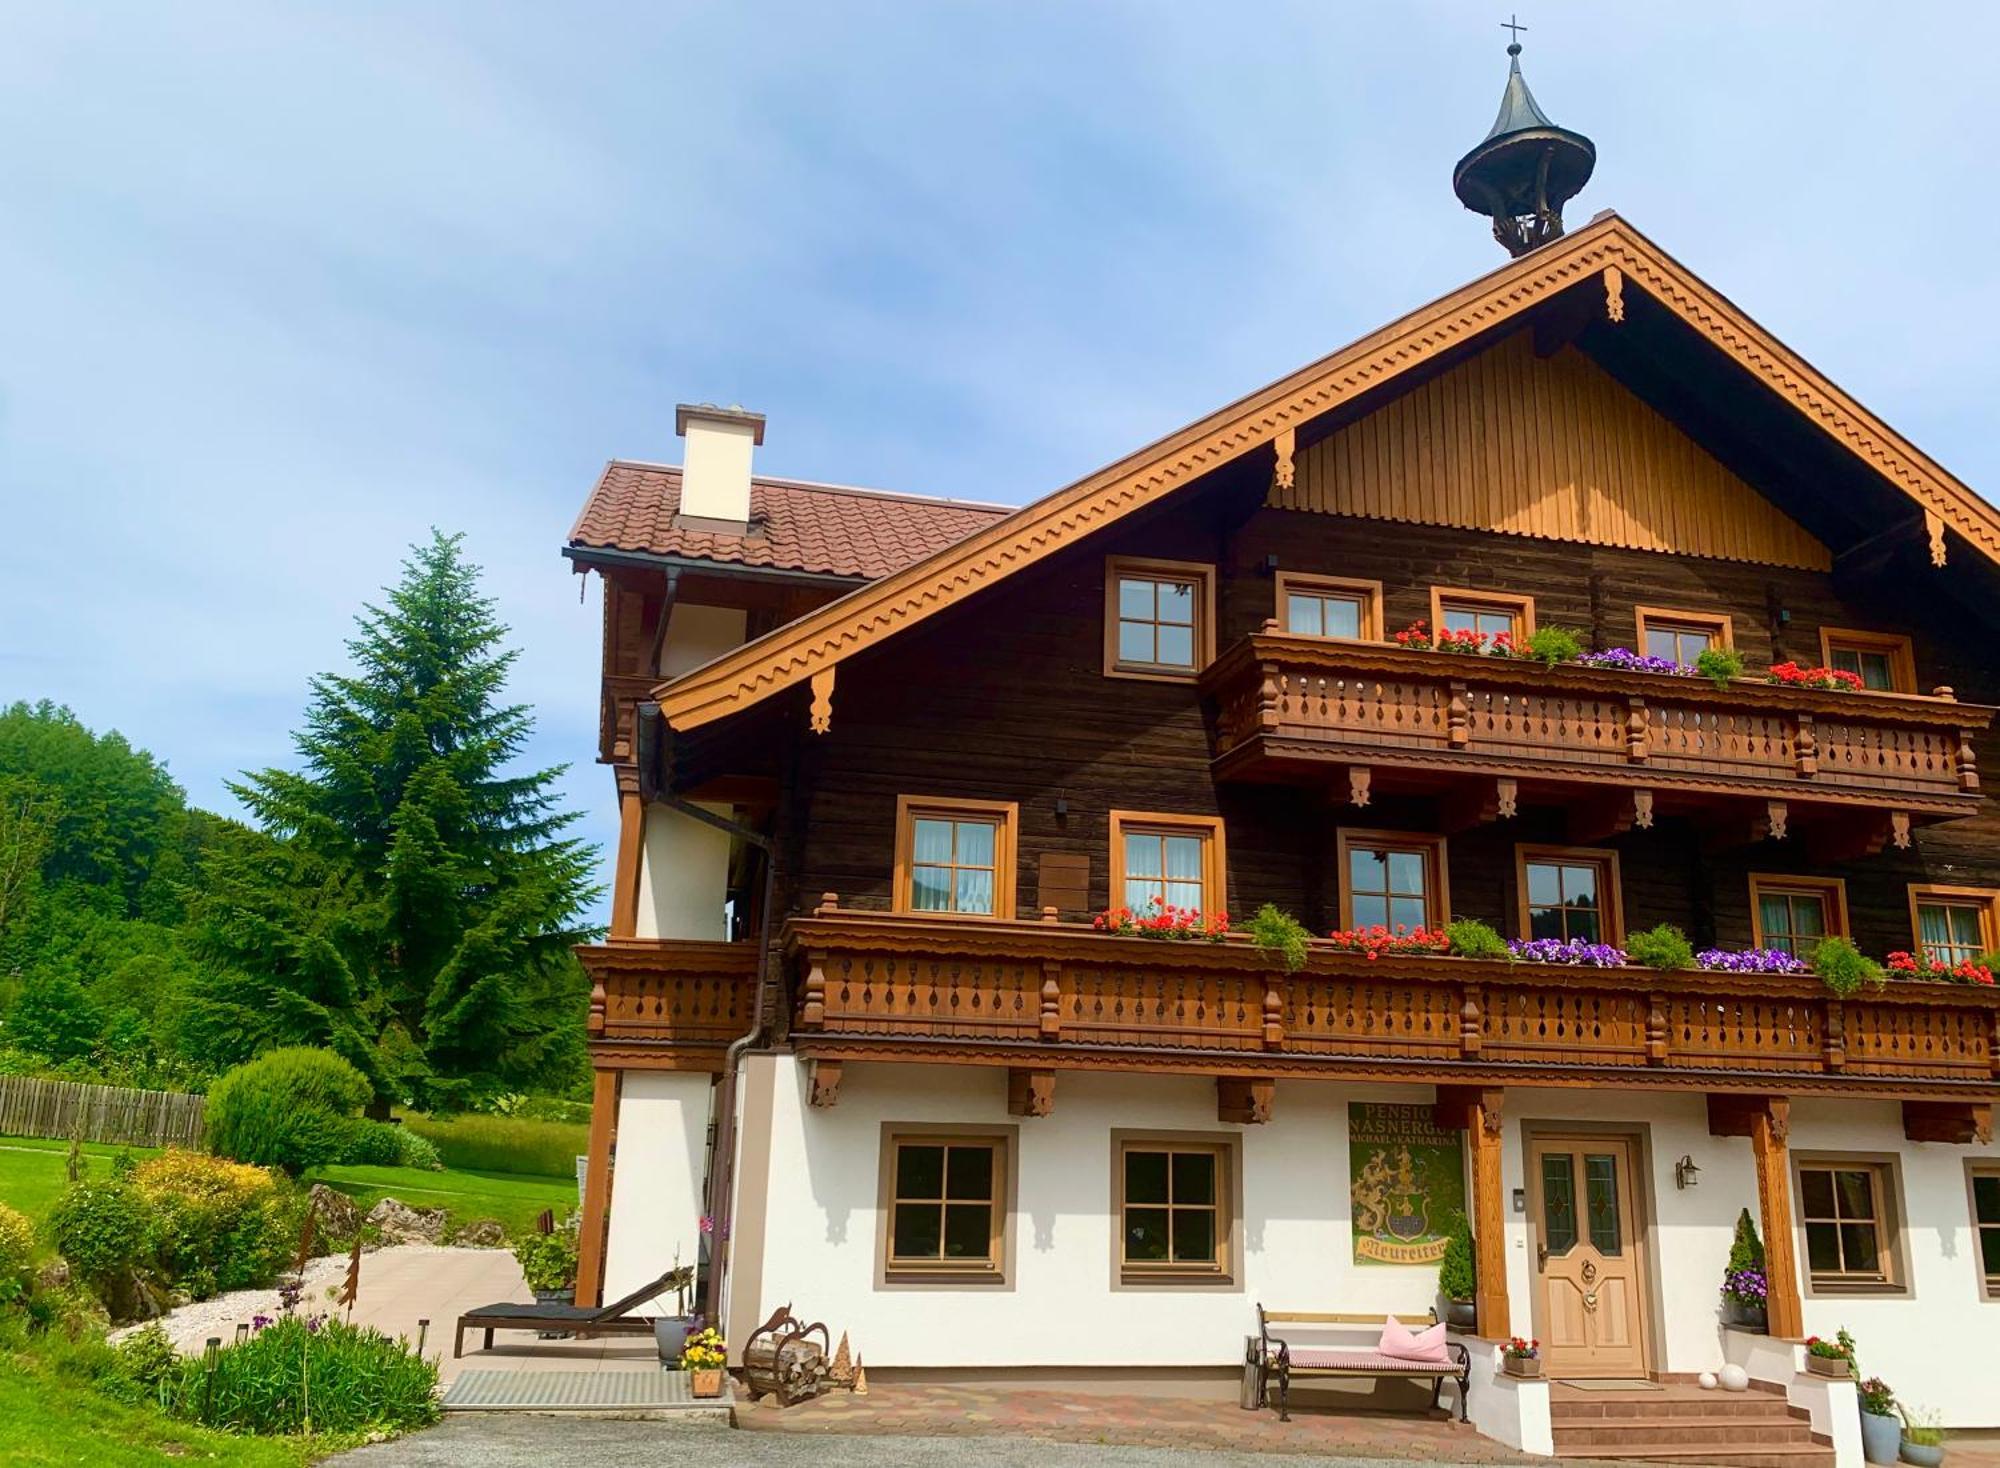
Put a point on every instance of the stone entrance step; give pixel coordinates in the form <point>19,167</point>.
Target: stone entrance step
<point>1680,1424</point>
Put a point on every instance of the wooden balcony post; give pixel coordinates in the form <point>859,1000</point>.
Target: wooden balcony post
<point>812,1014</point>
<point>1805,745</point>
<point>596,1189</point>
<point>1274,1011</point>
<point>1458,715</point>
<point>1268,715</point>
<point>1051,1016</point>
<point>631,849</point>
<point>1833,1036</point>
<point>1477,1110</point>
<point>1470,1021</point>
<point>1638,731</point>
<point>1767,1122</point>
<point>1656,1029</point>
<point>1968,762</point>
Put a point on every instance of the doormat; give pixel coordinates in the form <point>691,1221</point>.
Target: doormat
<point>478,1390</point>
<point>1609,1384</point>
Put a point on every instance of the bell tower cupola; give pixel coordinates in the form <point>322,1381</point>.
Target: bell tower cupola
<point>1526,169</point>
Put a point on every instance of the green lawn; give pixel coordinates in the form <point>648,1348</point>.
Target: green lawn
<point>32,1175</point>
<point>46,1420</point>
<point>510,1197</point>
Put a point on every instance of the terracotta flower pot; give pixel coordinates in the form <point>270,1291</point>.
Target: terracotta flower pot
<point>1834,1366</point>
<point>1529,1366</point>
<point>705,1381</point>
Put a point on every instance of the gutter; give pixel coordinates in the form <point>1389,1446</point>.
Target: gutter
<point>584,557</point>
<point>722,1170</point>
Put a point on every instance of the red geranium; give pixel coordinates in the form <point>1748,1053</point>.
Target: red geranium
<point>1374,941</point>
<point>1923,966</point>
<point>1794,676</point>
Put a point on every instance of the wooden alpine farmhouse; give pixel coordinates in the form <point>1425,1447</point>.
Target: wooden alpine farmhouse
<point>871,1032</point>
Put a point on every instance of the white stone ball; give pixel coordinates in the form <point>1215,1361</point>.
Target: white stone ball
<point>1706,1381</point>
<point>1734,1378</point>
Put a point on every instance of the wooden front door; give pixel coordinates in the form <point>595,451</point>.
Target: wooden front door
<point>1590,1282</point>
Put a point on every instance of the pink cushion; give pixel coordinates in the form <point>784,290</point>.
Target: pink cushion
<point>1405,1345</point>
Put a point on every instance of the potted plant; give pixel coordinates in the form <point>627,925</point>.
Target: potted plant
<point>702,1357</point>
<point>1923,1439</point>
<point>1744,1286</point>
<point>1830,1358</point>
<point>1521,1358</point>
<point>1881,1428</point>
<point>548,1264</point>
<point>1458,1279</point>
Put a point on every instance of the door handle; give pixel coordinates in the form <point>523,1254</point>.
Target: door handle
<point>1541,1256</point>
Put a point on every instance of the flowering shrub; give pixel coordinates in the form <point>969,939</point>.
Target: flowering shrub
<point>1835,1350</point>
<point>1163,920</point>
<point>1746,1287</point>
<point>1567,950</point>
<point>1375,941</point>
<point>704,1350</point>
<point>216,1225</point>
<point>1794,676</point>
<point>1923,966</point>
<point>1628,661</point>
<point>1517,1349</point>
<point>1751,961</point>
<point>1877,1397</point>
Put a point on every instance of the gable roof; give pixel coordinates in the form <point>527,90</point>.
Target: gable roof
<point>821,529</point>
<point>1608,249</point>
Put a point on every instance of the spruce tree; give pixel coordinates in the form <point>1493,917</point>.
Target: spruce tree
<point>464,895</point>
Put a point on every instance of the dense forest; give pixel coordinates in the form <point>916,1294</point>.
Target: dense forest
<point>402,894</point>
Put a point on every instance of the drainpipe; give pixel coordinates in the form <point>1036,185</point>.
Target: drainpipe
<point>722,1169</point>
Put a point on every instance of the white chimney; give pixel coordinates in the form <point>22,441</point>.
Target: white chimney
<point>715,468</point>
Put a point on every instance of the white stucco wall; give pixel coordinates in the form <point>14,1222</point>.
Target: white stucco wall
<point>683,876</point>
<point>656,1180</point>
<point>698,634</point>
<point>820,1235</point>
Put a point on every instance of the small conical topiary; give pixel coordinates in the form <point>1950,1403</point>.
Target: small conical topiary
<point>1747,1251</point>
<point>1458,1272</point>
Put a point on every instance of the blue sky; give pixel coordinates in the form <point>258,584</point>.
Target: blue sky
<point>283,286</point>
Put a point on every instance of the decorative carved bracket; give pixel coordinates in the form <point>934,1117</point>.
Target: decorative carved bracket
<point>1359,777</point>
<point>1285,473</point>
<point>1866,838</point>
<point>1957,1122</point>
<point>1246,1100</point>
<point>1591,821</point>
<point>1737,1116</point>
<point>1459,1108</point>
<point>1934,530</point>
<point>822,700</point>
<point>825,1083</point>
<point>1030,1092</point>
<point>1614,293</point>
<point>1481,804</point>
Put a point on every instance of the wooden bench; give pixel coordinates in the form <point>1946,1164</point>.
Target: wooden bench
<point>1276,1354</point>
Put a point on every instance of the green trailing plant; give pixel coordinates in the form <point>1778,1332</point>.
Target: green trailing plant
<point>1720,665</point>
<point>1282,934</point>
<point>1551,645</point>
<point>1921,1426</point>
<point>1845,969</point>
<point>548,1261</point>
<point>1458,1271</point>
<point>307,1375</point>
<point>1664,947</point>
<point>293,1108</point>
<point>1470,938</point>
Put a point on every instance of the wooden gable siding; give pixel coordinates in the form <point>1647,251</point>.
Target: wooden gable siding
<point>1004,698</point>
<point>1551,447</point>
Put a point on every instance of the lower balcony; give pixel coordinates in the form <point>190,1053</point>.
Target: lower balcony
<point>1485,732</point>
<point>1054,996</point>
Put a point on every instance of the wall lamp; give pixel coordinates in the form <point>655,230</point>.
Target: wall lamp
<point>1686,1174</point>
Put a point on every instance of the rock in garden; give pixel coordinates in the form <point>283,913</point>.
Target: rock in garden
<point>482,1233</point>
<point>398,1223</point>
<point>333,1211</point>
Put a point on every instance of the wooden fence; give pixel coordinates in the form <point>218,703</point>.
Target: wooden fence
<point>69,1109</point>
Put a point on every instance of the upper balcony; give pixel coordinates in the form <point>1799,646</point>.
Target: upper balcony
<point>1500,730</point>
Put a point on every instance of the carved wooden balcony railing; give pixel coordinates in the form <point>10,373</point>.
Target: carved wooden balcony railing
<point>670,1004</point>
<point>1061,995</point>
<point>1291,705</point>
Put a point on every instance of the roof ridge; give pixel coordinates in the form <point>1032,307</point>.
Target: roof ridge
<point>827,486</point>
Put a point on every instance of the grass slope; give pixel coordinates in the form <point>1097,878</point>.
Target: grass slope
<point>47,1421</point>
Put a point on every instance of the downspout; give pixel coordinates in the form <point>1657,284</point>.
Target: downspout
<point>722,1169</point>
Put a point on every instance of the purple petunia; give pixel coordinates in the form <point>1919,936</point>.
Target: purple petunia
<point>1572,950</point>
<point>1751,961</point>
<point>1626,660</point>
<point>1747,1285</point>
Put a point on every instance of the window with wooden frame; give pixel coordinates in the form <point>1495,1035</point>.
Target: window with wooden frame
<point>1847,1208</point>
<point>1454,609</point>
<point>1682,637</point>
<point>945,1197</point>
<point>1881,660</point>
<point>1392,879</point>
<point>1953,924</point>
<point>1569,892</point>
<point>1167,861</point>
<point>1330,606</point>
<point>1791,914</point>
<point>1159,618</point>
<point>1174,1201</point>
<point>1983,1181</point>
<point>955,856</point>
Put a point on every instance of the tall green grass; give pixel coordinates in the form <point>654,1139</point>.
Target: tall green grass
<point>478,1143</point>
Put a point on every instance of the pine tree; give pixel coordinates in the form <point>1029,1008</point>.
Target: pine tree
<point>463,894</point>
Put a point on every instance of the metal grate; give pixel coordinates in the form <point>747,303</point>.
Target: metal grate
<point>577,1391</point>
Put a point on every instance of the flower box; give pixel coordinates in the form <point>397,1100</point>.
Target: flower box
<point>705,1381</point>
<point>1528,1366</point>
<point>1834,1366</point>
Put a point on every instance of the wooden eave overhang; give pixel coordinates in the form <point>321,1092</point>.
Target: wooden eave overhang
<point>1608,249</point>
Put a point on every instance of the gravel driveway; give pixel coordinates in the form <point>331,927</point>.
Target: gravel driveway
<point>526,1440</point>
